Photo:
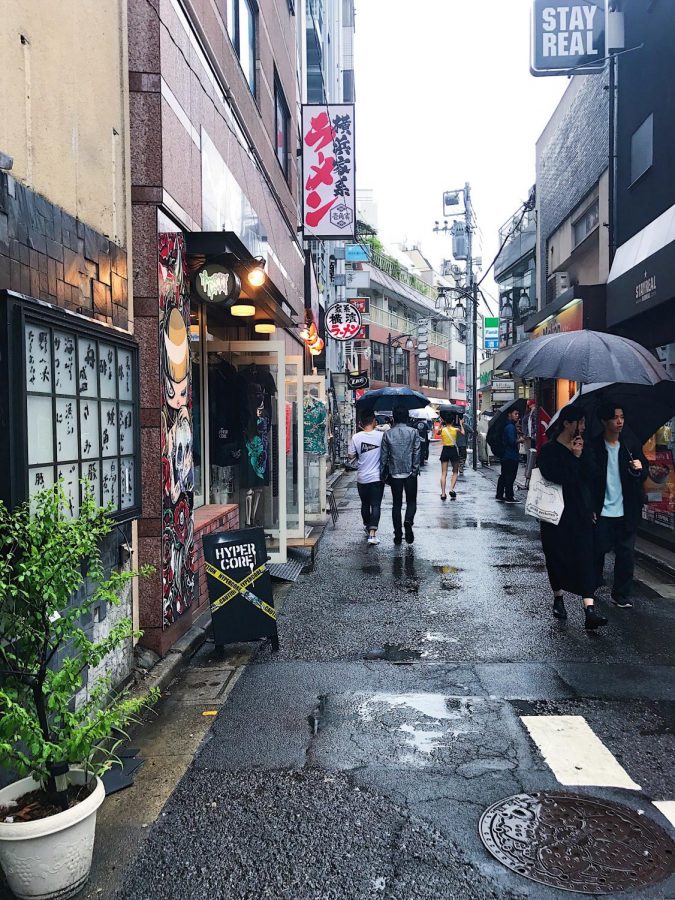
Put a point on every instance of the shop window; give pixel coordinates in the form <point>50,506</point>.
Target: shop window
<point>72,405</point>
<point>437,374</point>
<point>587,223</point>
<point>642,149</point>
<point>377,354</point>
<point>241,27</point>
<point>282,120</point>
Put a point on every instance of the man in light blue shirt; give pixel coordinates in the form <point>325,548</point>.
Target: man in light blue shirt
<point>618,499</point>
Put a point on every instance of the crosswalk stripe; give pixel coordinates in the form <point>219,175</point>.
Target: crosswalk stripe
<point>575,754</point>
<point>667,807</point>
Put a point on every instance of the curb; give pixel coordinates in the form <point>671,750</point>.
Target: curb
<point>654,562</point>
<point>164,672</point>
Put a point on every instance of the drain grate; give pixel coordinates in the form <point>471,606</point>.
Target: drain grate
<point>577,843</point>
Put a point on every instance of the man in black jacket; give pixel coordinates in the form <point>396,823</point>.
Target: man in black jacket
<point>618,497</point>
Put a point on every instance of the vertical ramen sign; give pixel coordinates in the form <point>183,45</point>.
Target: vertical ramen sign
<point>328,192</point>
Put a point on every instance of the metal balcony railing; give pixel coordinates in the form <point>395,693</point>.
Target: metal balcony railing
<point>395,270</point>
<point>401,325</point>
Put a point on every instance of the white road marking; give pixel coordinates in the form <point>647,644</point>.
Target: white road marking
<point>575,754</point>
<point>667,807</point>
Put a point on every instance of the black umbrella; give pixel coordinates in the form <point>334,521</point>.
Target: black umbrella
<point>389,398</point>
<point>451,410</point>
<point>646,407</point>
<point>498,423</point>
<point>585,356</point>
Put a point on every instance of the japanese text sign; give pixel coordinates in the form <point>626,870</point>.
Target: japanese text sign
<point>566,35</point>
<point>328,193</point>
<point>343,321</point>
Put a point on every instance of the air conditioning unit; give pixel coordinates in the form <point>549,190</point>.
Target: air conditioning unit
<point>556,284</point>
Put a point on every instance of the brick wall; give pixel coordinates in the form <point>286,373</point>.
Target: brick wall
<point>209,521</point>
<point>47,254</point>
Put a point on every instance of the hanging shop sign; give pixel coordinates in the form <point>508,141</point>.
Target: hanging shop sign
<point>491,333</point>
<point>356,253</point>
<point>216,284</point>
<point>240,587</point>
<point>358,381</point>
<point>354,279</point>
<point>343,322</point>
<point>328,194</point>
<point>570,318</point>
<point>568,37</point>
<point>362,304</point>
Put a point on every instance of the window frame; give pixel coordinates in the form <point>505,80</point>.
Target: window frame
<point>576,242</point>
<point>635,178</point>
<point>280,98</point>
<point>234,33</point>
<point>16,311</point>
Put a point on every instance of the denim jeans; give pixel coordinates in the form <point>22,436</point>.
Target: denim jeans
<point>398,486</point>
<point>371,502</point>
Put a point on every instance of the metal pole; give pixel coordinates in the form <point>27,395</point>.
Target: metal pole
<point>472,331</point>
<point>474,366</point>
<point>389,359</point>
<point>612,158</point>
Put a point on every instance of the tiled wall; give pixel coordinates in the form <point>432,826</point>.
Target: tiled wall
<point>47,254</point>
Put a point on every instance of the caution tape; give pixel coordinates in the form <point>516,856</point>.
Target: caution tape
<point>237,588</point>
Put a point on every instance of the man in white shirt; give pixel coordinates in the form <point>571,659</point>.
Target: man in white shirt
<point>365,447</point>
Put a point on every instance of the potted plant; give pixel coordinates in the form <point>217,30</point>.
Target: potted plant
<point>53,730</point>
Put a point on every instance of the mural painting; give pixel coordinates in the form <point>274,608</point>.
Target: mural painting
<point>178,564</point>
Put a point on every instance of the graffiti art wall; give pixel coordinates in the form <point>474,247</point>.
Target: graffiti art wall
<point>178,563</point>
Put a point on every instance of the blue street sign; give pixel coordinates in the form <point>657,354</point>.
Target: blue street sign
<point>492,343</point>
<point>356,253</point>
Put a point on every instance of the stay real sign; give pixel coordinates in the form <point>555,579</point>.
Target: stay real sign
<point>328,188</point>
<point>568,37</point>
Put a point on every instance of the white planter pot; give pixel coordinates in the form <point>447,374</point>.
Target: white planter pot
<point>49,858</point>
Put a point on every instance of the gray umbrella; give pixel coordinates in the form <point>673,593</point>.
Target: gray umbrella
<point>587,357</point>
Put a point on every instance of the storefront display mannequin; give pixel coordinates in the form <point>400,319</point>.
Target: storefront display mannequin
<point>253,497</point>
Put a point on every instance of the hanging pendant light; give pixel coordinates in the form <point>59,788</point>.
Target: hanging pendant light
<point>265,326</point>
<point>243,310</point>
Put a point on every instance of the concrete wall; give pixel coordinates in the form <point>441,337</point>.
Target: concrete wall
<point>63,105</point>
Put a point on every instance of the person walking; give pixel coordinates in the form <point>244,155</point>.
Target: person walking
<point>618,499</point>
<point>422,427</point>
<point>452,428</point>
<point>400,466</point>
<point>462,444</point>
<point>509,460</point>
<point>366,447</point>
<point>568,546</point>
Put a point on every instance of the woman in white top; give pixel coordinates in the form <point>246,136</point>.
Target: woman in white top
<point>365,446</point>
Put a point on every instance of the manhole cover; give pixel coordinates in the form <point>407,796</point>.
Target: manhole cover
<point>577,843</point>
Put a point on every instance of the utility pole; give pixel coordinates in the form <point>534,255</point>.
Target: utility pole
<point>472,331</point>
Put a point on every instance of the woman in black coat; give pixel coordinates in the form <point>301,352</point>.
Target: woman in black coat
<point>568,546</point>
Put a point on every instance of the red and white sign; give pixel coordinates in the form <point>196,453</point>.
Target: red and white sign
<point>343,322</point>
<point>328,194</point>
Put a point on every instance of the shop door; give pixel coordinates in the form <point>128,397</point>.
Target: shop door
<point>295,477</point>
<point>315,415</point>
<point>247,435</point>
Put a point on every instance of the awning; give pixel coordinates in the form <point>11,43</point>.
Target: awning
<point>643,271</point>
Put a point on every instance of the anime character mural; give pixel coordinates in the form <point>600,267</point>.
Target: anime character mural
<point>178,564</point>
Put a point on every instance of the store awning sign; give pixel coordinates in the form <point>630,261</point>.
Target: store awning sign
<point>357,381</point>
<point>491,333</point>
<point>328,194</point>
<point>239,586</point>
<point>216,284</point>
<point>343,322</point>
<point>568,37</point>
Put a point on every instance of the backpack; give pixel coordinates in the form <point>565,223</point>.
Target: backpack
<point>496,442</point>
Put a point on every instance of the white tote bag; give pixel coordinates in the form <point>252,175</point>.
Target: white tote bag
<point>544,499</point>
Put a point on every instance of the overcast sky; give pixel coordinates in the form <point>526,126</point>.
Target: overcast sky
<point>444,95</point>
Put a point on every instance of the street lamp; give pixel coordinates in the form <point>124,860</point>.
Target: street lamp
<point>396,342</point>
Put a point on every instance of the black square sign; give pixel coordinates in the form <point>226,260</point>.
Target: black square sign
<point>568,35</point>
<point>240,587</point>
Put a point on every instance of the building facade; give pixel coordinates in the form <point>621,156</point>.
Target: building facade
<point>69,370</point>
<point>214,184</point>
<point>641,288</point>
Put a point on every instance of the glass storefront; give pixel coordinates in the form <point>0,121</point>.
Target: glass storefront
<point>659,512</point>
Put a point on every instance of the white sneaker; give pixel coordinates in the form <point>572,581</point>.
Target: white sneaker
<point>373,539</point>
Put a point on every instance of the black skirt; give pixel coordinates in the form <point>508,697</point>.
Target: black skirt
<point>449,454</point>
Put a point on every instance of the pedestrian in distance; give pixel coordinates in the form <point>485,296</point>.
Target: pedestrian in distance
<point>509,460</point>
<point>568,546</point>
<point>366,446</point>
<point>453,426</point>
<point>621,470</point>
<point>423,430</point>
<point>462,445</point>
<point>399,467</point>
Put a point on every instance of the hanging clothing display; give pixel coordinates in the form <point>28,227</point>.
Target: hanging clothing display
<point>260,387</point>
<point>314,420</point>
<point>228,414</point>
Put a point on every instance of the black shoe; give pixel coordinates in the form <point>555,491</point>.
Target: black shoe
<point>593,619</point>
<point>398,538</point>
<point>499,499</point>
<point>559,610</point>
<point>621,602</point>
<point>513,500</point>
<point>409,536</point>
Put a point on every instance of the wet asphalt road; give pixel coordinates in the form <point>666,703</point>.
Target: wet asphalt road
<point>356,762</point>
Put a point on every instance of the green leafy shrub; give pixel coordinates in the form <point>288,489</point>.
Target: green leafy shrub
<point>45,557</point>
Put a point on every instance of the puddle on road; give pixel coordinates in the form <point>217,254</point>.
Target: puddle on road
<point>436,636</point>
<point>372,570</point>
<point>433,706</point>
<point>394,653</point>
<point>445,568</point>
<point>422,741</point>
